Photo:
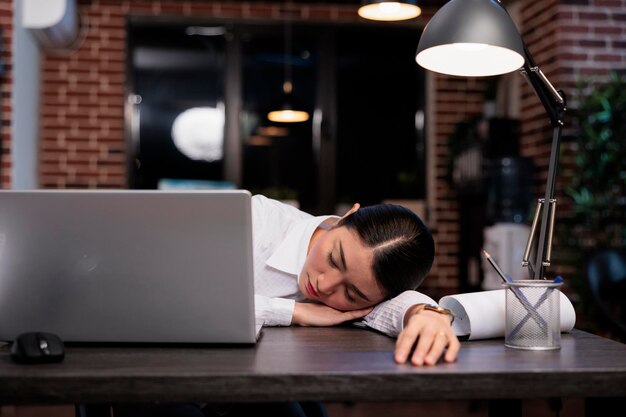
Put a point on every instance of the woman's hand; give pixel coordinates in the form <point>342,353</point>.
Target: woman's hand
<point>314,314</point>
<point>432,333</point>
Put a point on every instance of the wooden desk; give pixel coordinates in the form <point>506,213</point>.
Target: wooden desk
<point>325,364</point>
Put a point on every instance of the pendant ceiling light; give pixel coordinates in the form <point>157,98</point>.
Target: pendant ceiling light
<point>288,109</point>
<point>389,10</point>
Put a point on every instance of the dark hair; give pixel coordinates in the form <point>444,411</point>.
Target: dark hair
<point>403,247</point>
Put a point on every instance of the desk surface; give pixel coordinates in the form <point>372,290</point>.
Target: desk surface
<point>328,364</point>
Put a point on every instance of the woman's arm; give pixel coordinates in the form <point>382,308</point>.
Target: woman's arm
<point>315,314</point>
<point>388,316</point>
<point>428,334</point>
<point>428,331</point>
<point>274,311</point>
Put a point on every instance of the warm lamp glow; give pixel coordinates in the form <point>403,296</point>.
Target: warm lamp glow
<point>471,38</point>
<point>288,116</point>
<point>272,131</point>
<point>389,11</point>
<point>470,47</point>
<point>470,59</point>
<point>288,110</point>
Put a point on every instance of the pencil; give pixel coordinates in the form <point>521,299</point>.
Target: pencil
<point>495,266</point>
<point>518,294</point>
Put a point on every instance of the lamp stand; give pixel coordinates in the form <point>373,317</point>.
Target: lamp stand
<point>546,212</point>
<point>554,103</point>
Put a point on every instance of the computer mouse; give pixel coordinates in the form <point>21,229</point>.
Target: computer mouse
<point>37,347</point>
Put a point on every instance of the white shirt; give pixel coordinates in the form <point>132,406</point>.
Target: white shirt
<point>281,236</point>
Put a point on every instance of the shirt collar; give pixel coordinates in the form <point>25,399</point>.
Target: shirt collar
<point>290,255</point>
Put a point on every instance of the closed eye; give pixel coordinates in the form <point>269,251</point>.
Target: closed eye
<point>331,261</point>
<point>349,296</point>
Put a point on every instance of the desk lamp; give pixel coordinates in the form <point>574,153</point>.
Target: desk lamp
<point>474,38</point>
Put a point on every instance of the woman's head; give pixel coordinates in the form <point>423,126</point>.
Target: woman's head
<point>403,248</point>
<point>371,254</point>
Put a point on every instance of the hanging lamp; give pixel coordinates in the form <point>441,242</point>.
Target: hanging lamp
<point>389,10</point>
<point>288,109</point>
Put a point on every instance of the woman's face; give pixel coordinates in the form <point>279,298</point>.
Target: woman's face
<point>338,271</point>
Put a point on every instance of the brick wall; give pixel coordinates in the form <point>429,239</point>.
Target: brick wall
<point>569,39</point>
<point>455,99</point>
<point>592,41</point>
<point>82,141</point>
<point>6,88</point>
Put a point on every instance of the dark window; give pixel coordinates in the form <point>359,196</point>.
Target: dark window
<point>278,158</point>
<point>364,140</point>
<point>380,110</point>
<point>177,124</point>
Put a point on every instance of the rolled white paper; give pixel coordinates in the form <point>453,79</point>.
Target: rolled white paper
<point>482,315</point>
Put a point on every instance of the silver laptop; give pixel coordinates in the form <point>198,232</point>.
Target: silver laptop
<point>127,266</point>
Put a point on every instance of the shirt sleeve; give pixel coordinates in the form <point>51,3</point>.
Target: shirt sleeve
<point>273,311</point>
<point>388,316</point>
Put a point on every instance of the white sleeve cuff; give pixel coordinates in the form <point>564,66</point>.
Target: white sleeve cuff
<point>388,316</point>
<point>410,299</point>
<point>273,311</point>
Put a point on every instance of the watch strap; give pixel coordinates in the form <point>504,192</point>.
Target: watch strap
<point>435,308</point>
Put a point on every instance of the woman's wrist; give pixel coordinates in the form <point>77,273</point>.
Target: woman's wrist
<point>297,310</point>
<point>418,308</point>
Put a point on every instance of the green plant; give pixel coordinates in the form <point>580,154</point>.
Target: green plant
<point>597,186</point>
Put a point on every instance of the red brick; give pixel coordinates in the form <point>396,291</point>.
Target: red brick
<point>228,9</point>
<point>590,16</point>
<point>608,30</point>
<point>262,11</point>
<point>588,43</point>
<point>573,56</point>
<point>608,58</point>
<point>573,28</point>
<point>609,3</point>
<point>317,12</point>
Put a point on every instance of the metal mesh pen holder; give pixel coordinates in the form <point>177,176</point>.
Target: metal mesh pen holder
<point>533,315</point>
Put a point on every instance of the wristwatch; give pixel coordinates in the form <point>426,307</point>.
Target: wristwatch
<point>436,309</point>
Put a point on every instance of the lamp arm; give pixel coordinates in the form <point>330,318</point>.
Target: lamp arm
<point>553,100</point>
<point>554,103</point>
<point>544,217</point>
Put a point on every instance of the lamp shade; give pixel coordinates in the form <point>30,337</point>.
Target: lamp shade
<point>288,116</point>
<point>288,109</point>
<point>471,38</point>
<point>389,10</point>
